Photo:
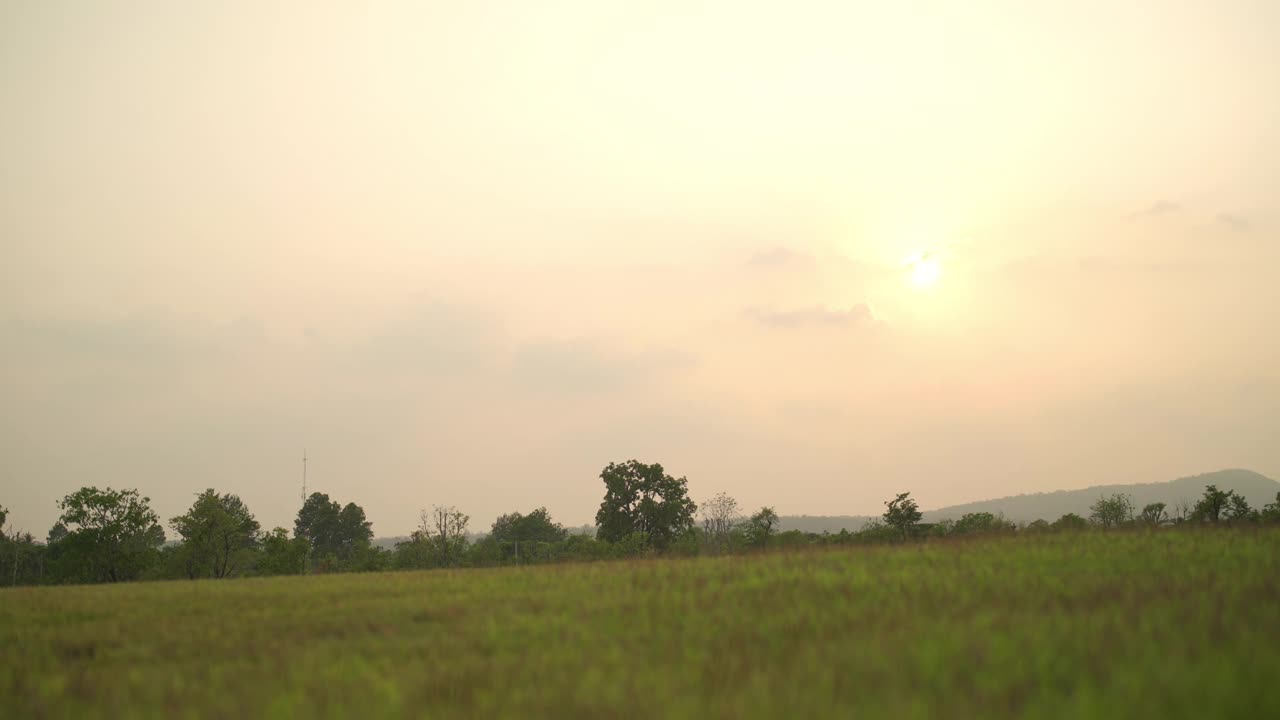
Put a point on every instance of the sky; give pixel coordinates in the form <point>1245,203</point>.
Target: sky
<point>810,254</point>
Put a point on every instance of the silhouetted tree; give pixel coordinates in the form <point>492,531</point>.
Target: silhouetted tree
<point>902,514</point>
<point>642,498</point>
<point>280,554</point>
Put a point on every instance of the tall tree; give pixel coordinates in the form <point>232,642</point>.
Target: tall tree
<point>112,535</point>
<point>761,526</point>
<point>643,499</point>
<point>903,514</point>
<point>1212,505</point>
<point>447,528</point>
<point>218,533</point>
<point>332,530</point>
<point>718,516</point>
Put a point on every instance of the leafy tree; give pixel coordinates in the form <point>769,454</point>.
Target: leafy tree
<point>518,535</point>
<point>1153,514</point>
<point>718,516</point>
<point>760,527</point>
<point>354,532</point>
<point>981,522</point>
<point>335,533</point>
<point>1212,505</point>
<point>219,535</point>
<point>1238,509</point>
<point>644,499</point>
<point>1113,511</point>
<point>279,554</point>
<point>1271,511</point>
<point>1070,521</point>
<point>1038,525</point>
<point>447,528</point>
<point>112,535</point>
<point>902,514</point>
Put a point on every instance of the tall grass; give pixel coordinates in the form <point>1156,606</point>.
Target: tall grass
<point>1167,625</point>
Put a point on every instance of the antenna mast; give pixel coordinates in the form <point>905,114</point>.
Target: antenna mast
<point>304,476</point>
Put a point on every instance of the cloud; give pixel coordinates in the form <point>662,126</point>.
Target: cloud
<point>856,315</point>
<point>1232,221</point>
<point>1159,207</point>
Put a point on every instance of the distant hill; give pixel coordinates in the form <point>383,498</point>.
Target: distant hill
<point>1257,489</point>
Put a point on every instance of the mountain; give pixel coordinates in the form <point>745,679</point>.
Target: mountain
<point>1258,489</point>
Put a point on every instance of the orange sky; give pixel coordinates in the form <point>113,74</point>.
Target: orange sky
<point>469,253</point>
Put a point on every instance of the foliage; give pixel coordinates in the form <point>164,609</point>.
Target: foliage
<point>902,514</point>
<point>280,554</point>
<point>760,527</point>
<point>1070,521</point>
<point>1112,511</point>
<point>515,535</point>
<point>643,499</point>
<point>219,535</point>
<point>112,535</point>
<point>446,527</point>
<point>1120,625</point>
<point>1213,505</point>
<point>335,533</point>
<point>982,522</point>
<point>718,517</point>
<point>1153,514</point>
<point>1271,511</point>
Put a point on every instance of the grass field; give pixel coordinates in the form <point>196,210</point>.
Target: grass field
<point>1162,625</point>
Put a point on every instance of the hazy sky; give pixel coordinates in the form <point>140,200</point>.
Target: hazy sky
<point>470,252</point>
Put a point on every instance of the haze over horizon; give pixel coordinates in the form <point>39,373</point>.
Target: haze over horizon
<point>810,254</point>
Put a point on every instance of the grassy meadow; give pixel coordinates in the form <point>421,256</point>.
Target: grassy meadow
<point>1171,624</point>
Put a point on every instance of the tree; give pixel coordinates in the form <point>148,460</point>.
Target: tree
<point>280,554</point>
<point>642,498</point>
<point>1113,511</point>
<point>332,530</point>
<point>218,534</point>
<point>354,532</point>
<point>447,528</point>
<point>1153,514</point>
<point>1070,521</point>
<point>112,535</point>
<point>1271,511</point>
<point>1212,504</point>
<point>902,514</point>
<point>1238,509</point>
<point>718,516</point>
<point>760,527</point>
<point>981,522</point>
<point>513,530</point>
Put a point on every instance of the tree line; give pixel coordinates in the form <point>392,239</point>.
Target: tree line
<point>112,535</point>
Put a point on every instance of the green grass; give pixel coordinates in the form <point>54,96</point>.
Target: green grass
<point>1126,625</point>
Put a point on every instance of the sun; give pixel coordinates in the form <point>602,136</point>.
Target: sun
<point>925,270</point>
